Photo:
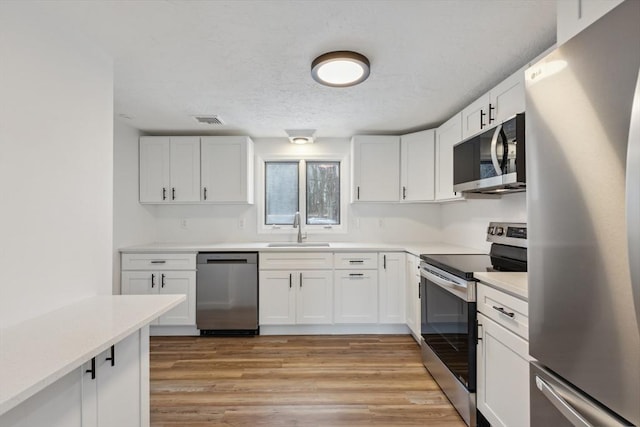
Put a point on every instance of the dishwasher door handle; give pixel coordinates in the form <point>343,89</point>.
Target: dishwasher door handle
<point>227,261</point>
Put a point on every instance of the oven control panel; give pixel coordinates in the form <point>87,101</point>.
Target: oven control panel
<point>508,233</point>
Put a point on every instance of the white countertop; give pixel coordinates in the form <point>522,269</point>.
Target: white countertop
<point>37,352</point>
<point>415,248</point>
<point>515,284</point>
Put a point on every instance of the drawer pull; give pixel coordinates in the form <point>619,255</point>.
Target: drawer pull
<point>503,311</point>
<point>356,261</point>
<point>159,262</point>
<point>356,274</point>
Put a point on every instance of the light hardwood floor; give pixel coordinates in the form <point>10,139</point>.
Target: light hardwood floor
<point>360,380</point>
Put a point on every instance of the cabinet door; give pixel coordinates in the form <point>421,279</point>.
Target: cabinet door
<point>277,302</point>
<point>413,296</point>
<point>417,151</point>
<point>185,169</point>
<point>179,282</point>
<point>507,98</point>
<point>113,397</point>
<point>475,117</point>
<point>503,375</point>
<point>155,169</point>
<point>447,135</point>
<point>140,283</point>
<point>392,283</point>
<point>314,303</point>
<point>576,15</point>
<point>227,168</point>
<point>356,296</point>
<point>376,168</point>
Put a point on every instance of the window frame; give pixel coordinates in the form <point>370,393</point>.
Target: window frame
<point>263,228</point>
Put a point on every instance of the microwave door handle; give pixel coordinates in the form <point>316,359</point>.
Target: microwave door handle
<point>494,150</point>
<point>633,198</point>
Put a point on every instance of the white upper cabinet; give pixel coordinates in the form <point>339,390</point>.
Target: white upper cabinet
<point>502,102</point>
<point>417,175</point>
<point>227,169</point>
<point>375,168</point>
<point>576,15</point>
<point>169,169</point>
<point>447,135</point>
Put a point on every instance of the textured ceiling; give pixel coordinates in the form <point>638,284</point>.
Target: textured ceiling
<point>249,61</point>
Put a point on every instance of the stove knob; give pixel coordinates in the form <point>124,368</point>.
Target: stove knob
<point>499,231</point>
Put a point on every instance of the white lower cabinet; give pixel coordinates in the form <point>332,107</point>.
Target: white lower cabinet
<point>392,283</point>
<point>503,365</point>
<point>165,283</point>
<point>117,395</point>
<point>163,274</point>
<point>413,308</point>
<point>356,296</point>
<point>114,394</point>
<point>296,297</point>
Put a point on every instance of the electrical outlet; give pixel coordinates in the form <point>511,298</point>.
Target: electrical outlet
<point>183,223</point>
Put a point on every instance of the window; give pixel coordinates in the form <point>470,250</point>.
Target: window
<point>323,193</point>
<point>311,187</point>
<point>281,192</point>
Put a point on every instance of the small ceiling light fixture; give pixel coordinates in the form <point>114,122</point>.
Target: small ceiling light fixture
<point>340,69</point>
<point>301,136</point>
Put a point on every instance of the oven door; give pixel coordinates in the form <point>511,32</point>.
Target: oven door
<point>449,324</point>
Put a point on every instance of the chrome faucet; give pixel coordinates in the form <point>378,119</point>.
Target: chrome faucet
<point>298,224</point>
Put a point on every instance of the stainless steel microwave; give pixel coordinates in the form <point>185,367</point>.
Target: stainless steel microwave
<point>493,161</point>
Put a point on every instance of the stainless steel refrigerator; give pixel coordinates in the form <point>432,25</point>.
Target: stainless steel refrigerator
<point>583,201</point>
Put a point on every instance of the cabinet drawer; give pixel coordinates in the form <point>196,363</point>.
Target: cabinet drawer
<point>158,261</point>
<point>296,260</point>
<point>504,309</point>
<point>360,260</point>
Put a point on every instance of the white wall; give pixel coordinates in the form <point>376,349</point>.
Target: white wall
<point>465,223</point>
<point>133,223</point>
<point>221,223</point>
<point>56,165</point>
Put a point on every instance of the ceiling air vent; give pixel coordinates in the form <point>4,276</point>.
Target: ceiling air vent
<point>209,120</point>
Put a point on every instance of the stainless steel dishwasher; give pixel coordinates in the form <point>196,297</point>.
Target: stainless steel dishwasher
<point>227,293</point>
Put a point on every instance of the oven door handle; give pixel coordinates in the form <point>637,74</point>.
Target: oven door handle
<point>461,292</point>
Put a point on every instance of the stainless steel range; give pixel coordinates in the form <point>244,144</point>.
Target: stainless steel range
<point>449,327</point>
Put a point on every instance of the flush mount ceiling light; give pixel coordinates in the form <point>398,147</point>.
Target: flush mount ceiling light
<point>301,136</point>
<point>340,69</point>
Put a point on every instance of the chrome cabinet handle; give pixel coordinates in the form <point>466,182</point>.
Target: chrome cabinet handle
<point>153,280</point>
<point>503,311</point>
<point>162,280</point>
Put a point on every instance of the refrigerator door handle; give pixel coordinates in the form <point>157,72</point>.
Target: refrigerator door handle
<point>633,199</point>
<point>561,405</point>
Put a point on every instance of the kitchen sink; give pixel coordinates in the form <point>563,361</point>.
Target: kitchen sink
<point>298,245</point>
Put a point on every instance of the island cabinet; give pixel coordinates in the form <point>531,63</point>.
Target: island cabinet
<point>503,358</point>
<point>295,288</point>
<point>356,287</point>
<point>90,369</point>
